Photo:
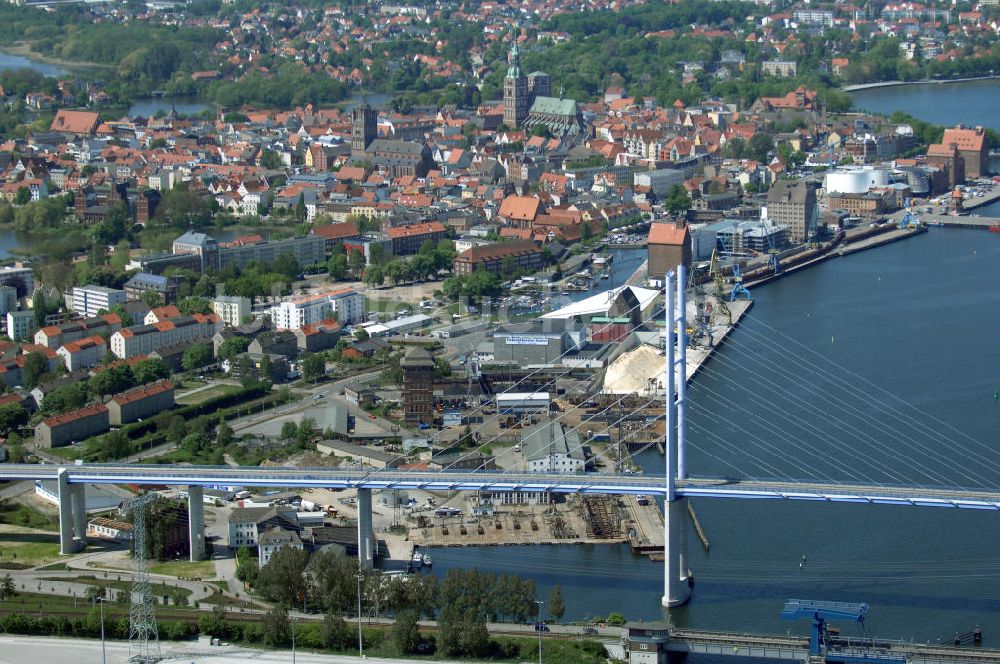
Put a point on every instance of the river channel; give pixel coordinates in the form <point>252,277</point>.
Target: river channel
<point>917,318</point>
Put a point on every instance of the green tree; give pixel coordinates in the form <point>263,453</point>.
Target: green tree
<point>275,627</point>
<point>232,347</point>
<point>194,305</point>
<point>335,632</point>
<point>149,370</point>
<point>152,299</point>
<point>36,365</point>
<point>336,267</point>
<point>281,579</point>
<point>405,633</point>
<point>270,160</point>
<point>12,416</point>
<point>677,199</point>
<point>555,605</point>
<point>224,434</point>
<point>374,275</point>
<point>313,367</point>
<point>300,208</point>
<point>197,356</point>
<point>111,380</point>
<point>377,254</point>
<point>356,261</point>
<point>759,147</point>
<point>288,430</point>
<point>115,445</point>
<point>22,196</point>
<point>7,587</point>
<point>39,308</point>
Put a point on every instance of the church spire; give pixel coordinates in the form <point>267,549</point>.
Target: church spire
<point>514,58</point>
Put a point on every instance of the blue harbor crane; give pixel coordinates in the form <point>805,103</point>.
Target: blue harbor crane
<point>820,645</point>
<point>739,290</point>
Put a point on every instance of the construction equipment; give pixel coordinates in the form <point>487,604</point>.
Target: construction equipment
<point>821,644</point>
<point>739,290</point>
<point>772,250</point>
<point>143,639</point>
<point>907,221</point>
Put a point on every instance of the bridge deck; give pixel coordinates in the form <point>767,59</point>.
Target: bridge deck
<point>444,480</point>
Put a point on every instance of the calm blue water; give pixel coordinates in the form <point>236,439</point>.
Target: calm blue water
<point>8,61</point>
<point>971,103</point>
<point>917,318</point>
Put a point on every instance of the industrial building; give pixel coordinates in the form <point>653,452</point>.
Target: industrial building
<point>552,447</point>
<point>668,246</point>
<point>538,342</point>
<point>792,204</point>
<point>418,386</point>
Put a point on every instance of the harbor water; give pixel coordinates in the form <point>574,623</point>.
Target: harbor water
<point>917,318</point>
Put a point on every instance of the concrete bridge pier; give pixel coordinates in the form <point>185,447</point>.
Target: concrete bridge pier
<point>196,521</point>
<point>676,584</point>
<point>72,515</point>
<point>366,554</point>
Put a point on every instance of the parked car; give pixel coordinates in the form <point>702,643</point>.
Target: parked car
<point>590,630</point>
<point>542,627</point>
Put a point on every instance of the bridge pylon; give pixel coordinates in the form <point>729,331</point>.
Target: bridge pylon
<point>676,581</point>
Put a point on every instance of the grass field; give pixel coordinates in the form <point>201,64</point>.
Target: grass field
<point>206,394</point>
<point>184,569</point>
<point>18,514</point>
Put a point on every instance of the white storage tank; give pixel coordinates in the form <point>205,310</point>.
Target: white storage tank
<point>855,180</point>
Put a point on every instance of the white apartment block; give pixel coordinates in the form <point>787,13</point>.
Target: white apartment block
<point>232,309</point>
<point>20,325</point>
<point>83,353</point>
<point>88,300</point>
<point>144,339</point>
<point>11,276</point>
<point>347,304</point>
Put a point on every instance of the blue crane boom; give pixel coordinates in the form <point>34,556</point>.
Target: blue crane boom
<point>819,612</point>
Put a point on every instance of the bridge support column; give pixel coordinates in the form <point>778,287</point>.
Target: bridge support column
<point>676,585</point>
<point>366,555</point>
<point>79,515</point>
<point>196,522</point>
<point>66,543</point>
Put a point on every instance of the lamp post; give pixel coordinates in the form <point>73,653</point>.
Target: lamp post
<point>104,654</point>
<point>538,628</point>
<point>361,645</point>
<point>293,638</point>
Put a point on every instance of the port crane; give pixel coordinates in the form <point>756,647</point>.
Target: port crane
<point>821,646</point>
<point>739,290</point>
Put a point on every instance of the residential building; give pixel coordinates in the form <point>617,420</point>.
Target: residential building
<point>20,325</point>
<point>334,234</point>
<point>231,309</point>
<point>792,204</point>
<point>74,426</point>
<point>21,278</point>
<point>8,300</point>
<point>407,240</point>
<point>552,447</point>
<point>83,353</point>
<point>668,245</point>
<point>141,402</point>
<point>418,386</point>
<point>781,68</point>
<point>660,181</point>
<point>91,299</point>
<point>316,337</point>
<point>501,258</point>
<point>144,339</point>
<point>143,282</point>
<point>345,305</point>
<point>54,336</point>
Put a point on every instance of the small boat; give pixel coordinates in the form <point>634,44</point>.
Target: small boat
<point>427,560</point>
<point>995,228</point>
<point>418,559</point>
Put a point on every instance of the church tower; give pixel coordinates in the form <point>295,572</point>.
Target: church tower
<point>515,90</point>
<point>364,121</point>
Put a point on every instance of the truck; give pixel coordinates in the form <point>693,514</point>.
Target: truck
<point>309,506</point>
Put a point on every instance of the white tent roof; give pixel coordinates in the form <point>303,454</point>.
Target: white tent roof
<point>600,304</point>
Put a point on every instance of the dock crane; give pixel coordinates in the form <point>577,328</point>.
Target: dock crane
<point>819,612</point>
<point>738,288</point>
